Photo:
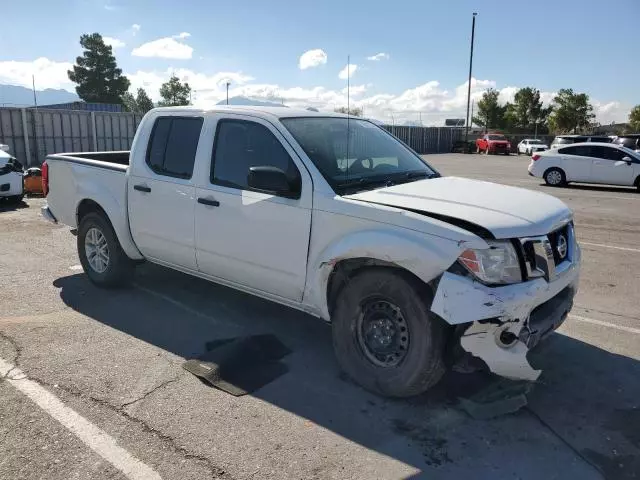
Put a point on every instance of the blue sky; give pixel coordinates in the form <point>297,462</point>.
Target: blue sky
<point>257,46</point>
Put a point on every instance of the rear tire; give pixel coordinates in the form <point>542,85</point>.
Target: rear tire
<point>381,311</point>
<point>100,253</point>
<point>554,177</point>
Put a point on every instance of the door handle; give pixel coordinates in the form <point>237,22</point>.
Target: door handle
<point>209,201</point>
<point>142,188</point>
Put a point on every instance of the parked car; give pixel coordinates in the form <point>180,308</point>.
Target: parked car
<point>631,141</point>
<point>493,143</point>
<point>264,200</point>
<point>11,186</point>
<point>588,163</point>
<point>531,145</point>
<point>560,140</point>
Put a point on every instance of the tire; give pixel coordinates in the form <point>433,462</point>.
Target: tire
<point>519,152</point>
<point>15,199</point>
<point>478,151</point>
<point>118,268</point>
<point>552,178</point>
<point>507,153</point>
<point>420,364</point>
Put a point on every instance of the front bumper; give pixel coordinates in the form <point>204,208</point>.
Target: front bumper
<point>504,323</point>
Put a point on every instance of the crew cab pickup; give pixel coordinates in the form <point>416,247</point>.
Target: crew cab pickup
<point>493,143</point>
<point>334,216</point>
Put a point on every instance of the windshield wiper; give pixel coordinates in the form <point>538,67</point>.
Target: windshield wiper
<point>388,181</point>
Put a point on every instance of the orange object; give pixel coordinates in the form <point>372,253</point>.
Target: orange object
<point>33,181</point>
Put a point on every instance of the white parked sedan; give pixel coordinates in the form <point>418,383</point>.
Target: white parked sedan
<point>11,181</point>
<point>529,146</point>
<point>588,163</point>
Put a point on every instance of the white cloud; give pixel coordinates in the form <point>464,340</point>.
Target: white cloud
<point>347,71</point>
<point>48,73</point>
<point>379,56</point>
<point>182,35</point>
<point>428,102</point>
<point>135,28</point>
<point>312,58</point>
<point>207,89</point>
<point>167,47</point>
<point>356,89</point>
<point>114,42</point>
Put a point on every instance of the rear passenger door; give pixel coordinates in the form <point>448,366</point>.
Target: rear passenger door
<point>608,166</point>
<point>161,192</point>
<point>577,162</point>
<point>251,238</point>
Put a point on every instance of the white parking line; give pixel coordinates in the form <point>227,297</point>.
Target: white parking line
<point>605,324</point>
<point>92,436</point>
<point>615,247</point>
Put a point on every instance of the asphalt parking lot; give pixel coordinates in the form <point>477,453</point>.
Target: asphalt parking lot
<point>111,364</point>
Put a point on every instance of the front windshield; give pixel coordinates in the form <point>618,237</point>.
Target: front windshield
<point>535,141</point>
<point>371,158</point>
<point>497,137</point>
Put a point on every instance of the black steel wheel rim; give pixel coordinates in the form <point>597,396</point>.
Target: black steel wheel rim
<point>382,332</point>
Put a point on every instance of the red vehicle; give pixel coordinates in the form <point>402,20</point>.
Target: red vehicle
<point>493,143</point>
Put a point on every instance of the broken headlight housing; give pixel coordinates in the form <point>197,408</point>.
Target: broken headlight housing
<point>496,265</point>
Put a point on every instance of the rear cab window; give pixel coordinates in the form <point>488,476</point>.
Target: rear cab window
<point>173,144</point>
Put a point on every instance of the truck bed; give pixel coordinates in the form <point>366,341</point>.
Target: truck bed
<point>111,160</point>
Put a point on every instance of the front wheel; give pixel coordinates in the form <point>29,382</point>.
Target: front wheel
<point>100,253</point>
<point>384,335</point>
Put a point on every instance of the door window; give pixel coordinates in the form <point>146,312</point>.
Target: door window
<point>173,145</point>
<point>580,150</point>
<point>240,145</point>
<point>608,153</point>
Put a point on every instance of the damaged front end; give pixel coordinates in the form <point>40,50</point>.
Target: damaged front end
<point>501,324</point>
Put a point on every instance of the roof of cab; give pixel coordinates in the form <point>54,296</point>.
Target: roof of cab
<point>258,111</point>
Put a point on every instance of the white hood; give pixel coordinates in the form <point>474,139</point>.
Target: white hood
<point>507,212</point>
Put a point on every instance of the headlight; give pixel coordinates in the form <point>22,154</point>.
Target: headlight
<point>497,264</point>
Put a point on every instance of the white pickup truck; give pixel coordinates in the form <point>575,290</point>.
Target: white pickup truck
<point>334,216</point>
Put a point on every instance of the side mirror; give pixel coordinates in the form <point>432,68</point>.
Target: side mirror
<point>627,159</point>
<point>273,180</point>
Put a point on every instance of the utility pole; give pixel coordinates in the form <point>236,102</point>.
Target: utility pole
<point>472,105</point>
<point>228,83</point>
<point>33,85</point>
<point>473,32</point>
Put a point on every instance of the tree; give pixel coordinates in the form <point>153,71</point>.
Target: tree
<point>174,93</point>
<point>571,112</point>
<point>527,109</point>
<point>490,113</point>
<point>98,77</point>
<point>141,103</point>
<point>353,111</point>
<point>634,119</point>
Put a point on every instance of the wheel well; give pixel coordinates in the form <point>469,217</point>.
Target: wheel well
<point>348,268</point>
<point>87,206</point>
<point>637,182</point>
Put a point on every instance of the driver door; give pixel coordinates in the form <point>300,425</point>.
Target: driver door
<point>250,238</point>
<point>608,166</point>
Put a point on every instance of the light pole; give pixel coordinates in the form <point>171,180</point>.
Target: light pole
<point>228,83</point>
<point>473,32</point>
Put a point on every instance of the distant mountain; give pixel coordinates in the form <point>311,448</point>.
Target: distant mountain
<point>15,96</point>
<point>249,101</point>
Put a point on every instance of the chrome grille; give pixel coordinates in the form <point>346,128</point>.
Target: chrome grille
<point>549,255</point>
